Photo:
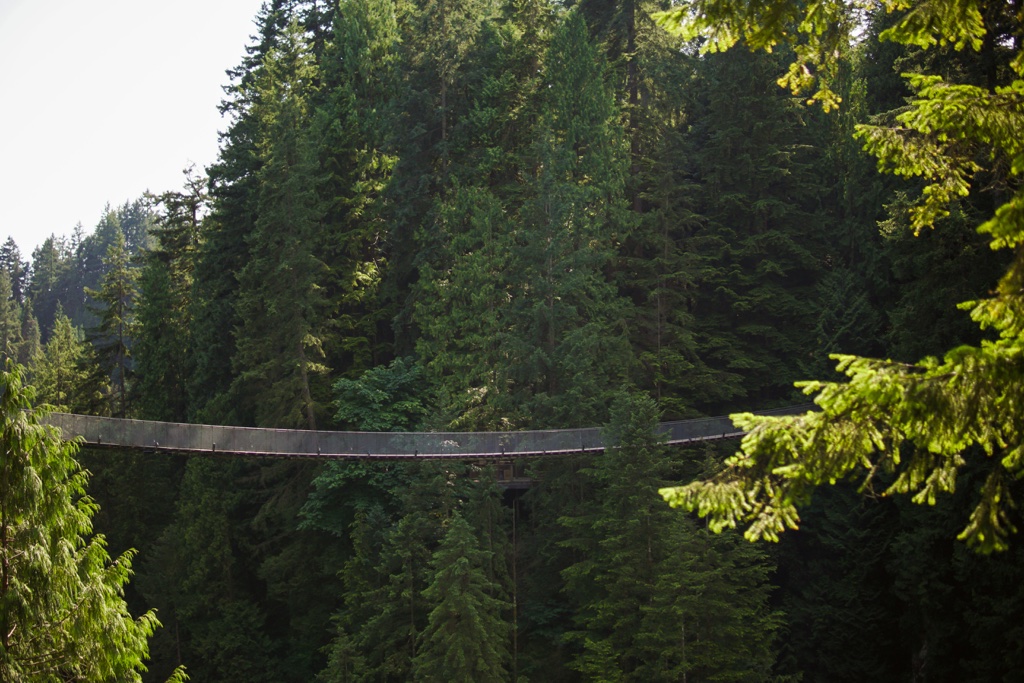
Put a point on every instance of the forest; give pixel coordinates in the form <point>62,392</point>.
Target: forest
<point>496,215</point>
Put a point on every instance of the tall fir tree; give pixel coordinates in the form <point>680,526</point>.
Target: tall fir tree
<point>279,357</point>
<point>115,309</point>
<point>62,609</point>
<point>234,188</point>
<point>567,348</point>
<point>51,263</point>
<point>466,637</point>
<point>354,127</point>
<point>17,270</point>
<point>31,338</point>
<point>10,319</point>
<point>655,597</point>
<point>760,258</point>
<point>164,349</point>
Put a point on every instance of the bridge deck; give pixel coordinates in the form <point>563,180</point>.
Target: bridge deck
<point>289,443</point>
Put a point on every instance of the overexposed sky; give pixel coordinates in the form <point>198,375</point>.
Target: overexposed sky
<point>100,101</point>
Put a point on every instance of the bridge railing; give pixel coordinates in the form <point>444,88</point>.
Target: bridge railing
<point>302,443</point>
<point>720,427</point>
<point>144,434</point>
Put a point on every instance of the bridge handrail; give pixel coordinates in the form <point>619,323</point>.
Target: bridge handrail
<point>193,438</point>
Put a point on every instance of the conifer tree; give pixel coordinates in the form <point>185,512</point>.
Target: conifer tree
<point>28,350</point>
<point>922,423</point>
<point>279,352</point>
<point>115,330</point>
<point>466,638</point>
<point>757,240</point>
<point>163,353</point>
<point>385,610</point>
<point>467,287</point>
<point>16,269</point>
<point>234,186</point>
<point>655,597</point>
<point>567,350</point>
<point>10,320</point>
<point>354,128</point>
<point>124,228</point>
<point>62,611</point>
<point>59,374</point>
<point>465,273</point>
<point>51,262</point>
<point>208,587</point>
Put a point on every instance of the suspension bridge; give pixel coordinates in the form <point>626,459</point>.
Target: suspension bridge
<point>115,433</point>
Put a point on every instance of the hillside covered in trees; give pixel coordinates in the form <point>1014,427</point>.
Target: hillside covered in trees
<point>513,214</point>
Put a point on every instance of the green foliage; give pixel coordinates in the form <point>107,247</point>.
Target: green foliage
<point>759,239</point>
<point>10,320</point>
<point>466,637</point>
<point>656,597</point>
<point>545,204</point>
<point>224,252</point>
<point>163,351</point>
<point>834,586</point>
<point>31,338</point>
<point>921,423</point>
<point>569,351</point>
<point>115,307</point>
<point>383,625</point>
<point>16,269</point>
<point>353,128</point>
<point>819,31</point>
<point>62,611</point>
<point>468,288</point>
<point>384,399</point>
<point>59,374</point>
<point>279,356</point>
<point>227,567</point>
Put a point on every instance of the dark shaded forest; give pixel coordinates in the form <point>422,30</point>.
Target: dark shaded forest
<point>503,215</point>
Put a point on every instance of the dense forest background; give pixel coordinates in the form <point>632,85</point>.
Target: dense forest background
<point>500,215</point>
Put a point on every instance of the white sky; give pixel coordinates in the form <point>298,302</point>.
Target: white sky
<point>100,101</point>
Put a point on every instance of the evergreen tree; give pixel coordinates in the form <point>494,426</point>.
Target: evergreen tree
<point>126,229</point>
<point>855,287</point>
<point>923,422</point>
<point>835,589</point>
<point>385,610</point>
<point>10,320</point>
<point>566,345</point>
<point>30,347</point>
<point>62,611</point>
<point>234,186</point>
<point>468,287</point>
<point>759,258</point>
<point>278,360</point>
<point>439,38</point>
<point>163,352</point>
<point>395,532</point>
<point>466,257</point>
<point>657,598</point>
<point>16,269</point>
<point>448,29</point>
<point>466,638</point>
<point>51,263</point>
<point>116,327</point>
<point>207,587</point>
<point>354,131</point>
<point>566,350</point>
<point>59,374</point>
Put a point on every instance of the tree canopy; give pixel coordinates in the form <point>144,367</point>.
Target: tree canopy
<point>906,427</point>
<point>62,611</point>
